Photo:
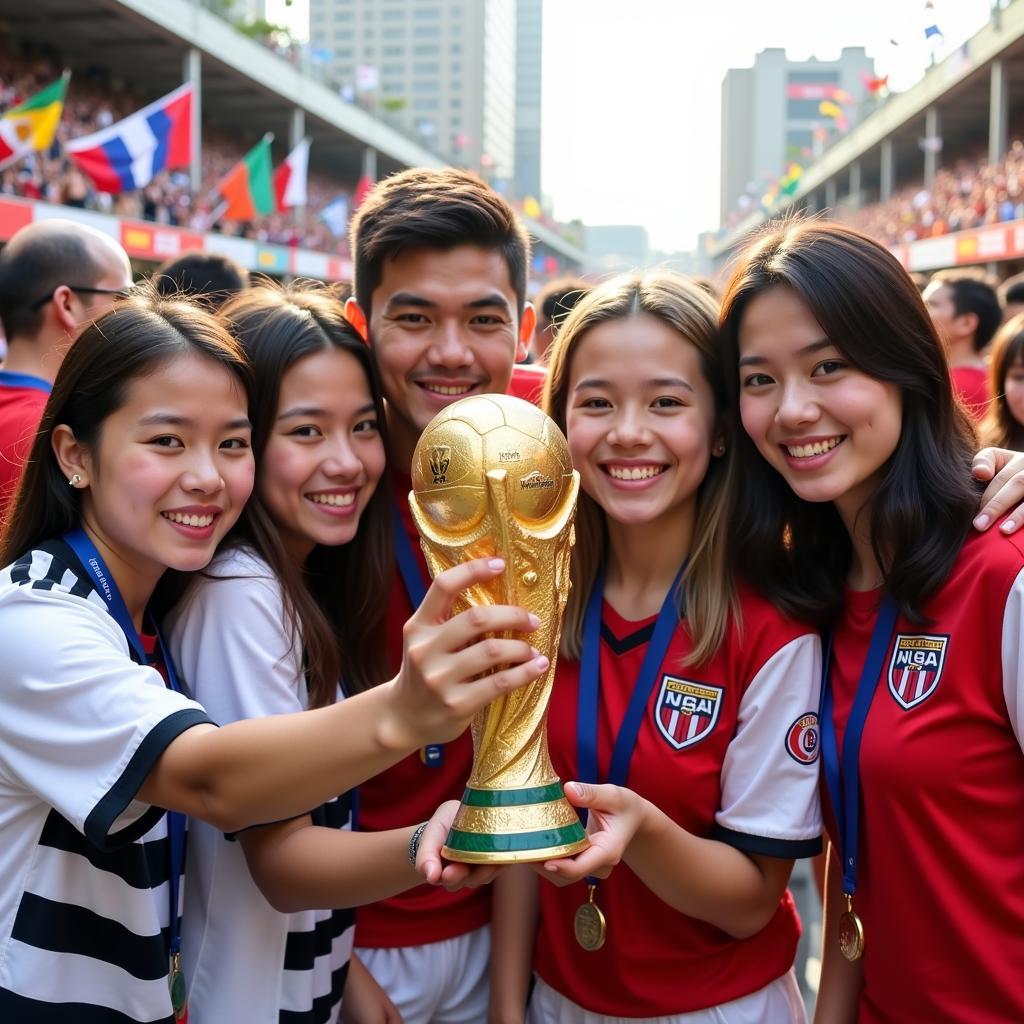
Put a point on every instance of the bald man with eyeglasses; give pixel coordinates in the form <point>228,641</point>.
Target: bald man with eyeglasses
<point>56,277</point>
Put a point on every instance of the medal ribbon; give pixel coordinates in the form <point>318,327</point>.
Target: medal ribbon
<point>844,785</point>
<point>408,566</point>
<point>104,584</point>
<point>432,755</point>
<point>590,685</point>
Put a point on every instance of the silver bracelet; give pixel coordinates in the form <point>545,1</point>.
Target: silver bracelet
<point>414,842</point>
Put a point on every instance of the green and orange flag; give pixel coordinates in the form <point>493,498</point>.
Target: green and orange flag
<point>248,188</point>
<point>30,126</point>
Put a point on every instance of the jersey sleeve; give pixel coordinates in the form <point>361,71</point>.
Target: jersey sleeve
<point>770,799</point>
<point>1013,657</point>
<point>81,724</point>
<point>232,644</point>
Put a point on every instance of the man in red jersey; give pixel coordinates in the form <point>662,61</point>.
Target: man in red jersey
<point>55,277</point>
<point>966,311</point>
<point>440,292</point>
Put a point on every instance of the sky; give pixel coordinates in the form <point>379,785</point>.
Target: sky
<point>631,93</point>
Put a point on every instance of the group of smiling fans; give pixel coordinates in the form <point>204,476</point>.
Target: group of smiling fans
<point>234,708</point>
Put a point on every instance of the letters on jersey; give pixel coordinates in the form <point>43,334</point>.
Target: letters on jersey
<point>686,711</point>
<point>916,667</point>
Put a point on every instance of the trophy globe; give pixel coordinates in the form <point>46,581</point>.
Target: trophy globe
<point>491,475</point>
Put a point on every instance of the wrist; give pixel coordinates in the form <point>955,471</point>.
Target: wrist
<point>414,842</point>
<point>394,731</point>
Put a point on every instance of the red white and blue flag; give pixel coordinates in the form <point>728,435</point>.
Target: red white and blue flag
<point>127,155</point>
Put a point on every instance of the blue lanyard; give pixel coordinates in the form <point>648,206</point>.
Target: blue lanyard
<point>104,584</point>
<point>408,567</point>
<point>432,755</point>
<point>9,379</point>
<point>844,787</point>
<point>590,685</point>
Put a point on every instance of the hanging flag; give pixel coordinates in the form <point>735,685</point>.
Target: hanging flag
<point>127,155</point>
<point>790,181</point>
<point>931,26</point>
<point>873,84</point>
<point>335,216</point>
<point>30,126</point>
<point>248,186</point>
<point>531,208</point>
<point>363,187</point>
<point>290,178</point>
<point>830,109</point>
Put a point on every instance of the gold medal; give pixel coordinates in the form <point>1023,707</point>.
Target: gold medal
<point>179,994</point>
<point>851,933</point>
<point>589,924</point>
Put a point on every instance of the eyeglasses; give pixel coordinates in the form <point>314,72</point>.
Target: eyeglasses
<point>120,293</point>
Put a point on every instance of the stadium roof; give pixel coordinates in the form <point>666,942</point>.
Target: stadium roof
<point>247,89</point>
<point>959,88</point>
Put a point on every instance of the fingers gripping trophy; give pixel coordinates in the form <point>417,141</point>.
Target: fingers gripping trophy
<point>492,475</point>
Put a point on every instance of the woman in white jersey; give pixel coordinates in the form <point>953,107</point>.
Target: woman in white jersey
<point>292,604</point>
<point>142,464</point>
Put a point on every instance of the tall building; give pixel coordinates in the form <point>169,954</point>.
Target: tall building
<point>615,248</point>
<point>248,10</point>
<point>770,113</point>
<point>443,70</point>
<point>529,49</point>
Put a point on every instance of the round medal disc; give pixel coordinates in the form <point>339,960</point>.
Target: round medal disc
<point>851,936</point>
<point>590,927</point>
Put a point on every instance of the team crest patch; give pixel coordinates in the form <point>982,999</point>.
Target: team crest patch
<point>802,739</point>
<point>916,667</point>
<point>686,711</point>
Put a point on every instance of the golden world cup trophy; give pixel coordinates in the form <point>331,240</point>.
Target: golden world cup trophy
<point>492,475</point>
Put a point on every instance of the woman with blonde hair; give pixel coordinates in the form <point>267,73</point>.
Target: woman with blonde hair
<point>683,703</point>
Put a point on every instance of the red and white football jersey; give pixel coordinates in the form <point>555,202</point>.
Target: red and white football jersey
<point>940,875</point>
<point>729,751</point>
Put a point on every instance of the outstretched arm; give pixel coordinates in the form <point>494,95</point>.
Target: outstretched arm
<point>264,770</point>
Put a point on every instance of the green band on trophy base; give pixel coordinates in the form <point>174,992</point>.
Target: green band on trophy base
<point>544,844</point>
<point>512,797</point>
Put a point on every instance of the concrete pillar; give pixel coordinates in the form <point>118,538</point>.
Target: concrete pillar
<point>192,71</point>
<point>932,131</point>
<point>296,133</point>
<point>855,186</point>
<point>998,112</point>
<point>370,163</point>
<point>831,195</point>
<point>888,171</point>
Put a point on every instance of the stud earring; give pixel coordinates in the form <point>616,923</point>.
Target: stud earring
<point>75,479</point>
<point>719,449</point>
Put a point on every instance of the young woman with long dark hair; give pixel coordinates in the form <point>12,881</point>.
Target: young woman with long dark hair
<point>856,507</point>
<point>1004,424</point>
<point>142,464</point>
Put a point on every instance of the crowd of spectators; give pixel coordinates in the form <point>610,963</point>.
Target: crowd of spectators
<point>968,193</point>
<point>95,101</point>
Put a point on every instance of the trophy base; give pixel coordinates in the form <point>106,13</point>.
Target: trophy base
<point>514,826</point>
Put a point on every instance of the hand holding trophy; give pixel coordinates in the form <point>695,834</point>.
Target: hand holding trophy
<point>492,475</point>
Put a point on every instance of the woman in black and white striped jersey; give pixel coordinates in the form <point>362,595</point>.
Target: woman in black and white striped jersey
<point>148,423</point>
